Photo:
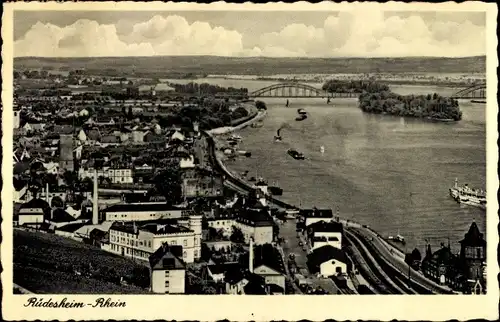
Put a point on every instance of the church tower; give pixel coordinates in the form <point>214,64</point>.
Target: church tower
<point>473,253</point>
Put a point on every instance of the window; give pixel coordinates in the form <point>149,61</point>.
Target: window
<point>478,251</point>
<point>196,241</point>
<point>167,274</point>
<point>184,254</point>
<point>195,253</point>
<point>174,242</point>
<point>149,243</point>
<point>185,242</point>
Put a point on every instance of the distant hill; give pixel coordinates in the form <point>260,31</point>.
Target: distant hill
<point>160,65</point>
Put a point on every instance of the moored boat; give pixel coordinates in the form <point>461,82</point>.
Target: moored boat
<point>296,154</point>
<point>469,196</point>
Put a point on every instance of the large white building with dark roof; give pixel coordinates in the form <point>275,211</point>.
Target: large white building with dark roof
<point>141,239</point>
<point>143,211</point>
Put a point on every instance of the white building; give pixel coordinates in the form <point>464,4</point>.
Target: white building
<point>140,240</point>
<point>253,224</point>
<point>312,216</point>
<point>16,120</point>
<point>328,261</point>
<point>30,216</point>
<point>168,270</point>
<point>325,233</point>
<point>142,212</point>
<point>115,175</point>
<point>187,162</point>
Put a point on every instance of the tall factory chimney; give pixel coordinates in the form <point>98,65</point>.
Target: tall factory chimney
<point>250,257</point>
<point>95,201</point>
<point>47,193</point>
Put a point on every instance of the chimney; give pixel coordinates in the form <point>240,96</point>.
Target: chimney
<point>47,193</point>
<point>95,209</point>
<point>250,257</point>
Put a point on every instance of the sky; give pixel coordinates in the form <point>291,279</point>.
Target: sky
<point>359,33</point>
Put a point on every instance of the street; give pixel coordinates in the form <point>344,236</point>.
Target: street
<point>291,245</point>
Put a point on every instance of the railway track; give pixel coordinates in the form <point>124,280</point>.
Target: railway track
<point>368,270</point>
<point>400,279</point>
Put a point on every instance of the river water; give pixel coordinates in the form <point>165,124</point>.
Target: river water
<point>388,172</point>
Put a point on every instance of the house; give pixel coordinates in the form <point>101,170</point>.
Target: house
<point>177,136</point>
<point>314,215</point>
<point>443,267</point>
<point>168,270</point>
<point>323,233</point>
<point>29,216</point>
<point>267,263</point>
<point>223,223</point>
<point>199,182</point>
<point>140,239</point>
<point>83,112</point>
<point>237,281</point>
<point>256,224</point>
<point>82,136</point>
<point>328,261</point>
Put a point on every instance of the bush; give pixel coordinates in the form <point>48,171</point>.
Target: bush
<point>260,105</point>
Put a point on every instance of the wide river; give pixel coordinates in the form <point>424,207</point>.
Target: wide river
<point>388,172</point>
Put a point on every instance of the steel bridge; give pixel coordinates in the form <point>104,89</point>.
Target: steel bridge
<point>475,91</point>
<point>293,89</point>
<point>299,90</point>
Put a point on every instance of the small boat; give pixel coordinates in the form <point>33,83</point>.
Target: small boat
<point>469,196</point>
<point>256,125</point>
<point>301,117</point>
<point>322,149</point>
<point>301,111</point>
<point>287,103</point>
<point>277,137</point>
<point>234,137</point>
<point>295,154</point>
<point>397,238</point>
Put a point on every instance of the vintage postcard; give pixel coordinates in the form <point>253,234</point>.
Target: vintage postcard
<point>245,162</point>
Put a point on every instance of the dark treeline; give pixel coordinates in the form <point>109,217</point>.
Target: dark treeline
<point>422,106</point>
<point>195,88</point>
<point>353,86</point>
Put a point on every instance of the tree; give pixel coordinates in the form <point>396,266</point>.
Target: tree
<point>168,182</point>
<point>260,105</point>
<point>237,235</point>
<point>57,202</point>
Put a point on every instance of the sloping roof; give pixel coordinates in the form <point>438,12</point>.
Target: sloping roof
<point>71,228</point>
<point>255,218</point>
<point>223,268</point>
<point>266,255</point>
<point>60,215</point>
<point>323,226</point>
<point>255,288</point>
<point>316,213</point>
<point>166,258</point>
<point>326,253</point>
<point>473,237</point>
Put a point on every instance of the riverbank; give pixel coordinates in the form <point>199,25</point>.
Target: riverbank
<point>229,129</point>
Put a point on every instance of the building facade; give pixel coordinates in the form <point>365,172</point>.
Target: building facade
<point>168,271</point>
<point>141,240</point>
